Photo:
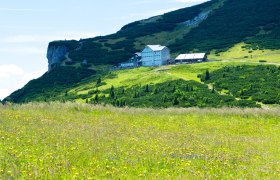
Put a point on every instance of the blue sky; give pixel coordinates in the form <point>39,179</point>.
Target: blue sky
<point>27,26</point>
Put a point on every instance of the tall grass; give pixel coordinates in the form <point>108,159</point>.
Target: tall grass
<point>79,141</point>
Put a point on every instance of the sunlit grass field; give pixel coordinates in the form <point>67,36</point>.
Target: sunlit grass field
<point>238,52</point>
<point>235,56</point>
<point>79,141</point>
<point>154,75</point>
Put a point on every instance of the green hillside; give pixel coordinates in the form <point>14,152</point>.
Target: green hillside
<point>228,22</point>
<point>50,84</point>
<point>229,84</point>
<point>218,119</point>
<point>234,33</point>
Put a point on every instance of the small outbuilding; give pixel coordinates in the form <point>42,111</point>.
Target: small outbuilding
<point>191,58</point>
<point>134,61</point>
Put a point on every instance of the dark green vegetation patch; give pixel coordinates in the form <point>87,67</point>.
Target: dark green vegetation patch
<point>259,83</point>
<point>177,93</point>
<point>51,85</point>
<point>238,86</point>
<point>255,22</point>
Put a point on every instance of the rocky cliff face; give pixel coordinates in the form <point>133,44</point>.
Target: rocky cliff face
<point>55,55</point>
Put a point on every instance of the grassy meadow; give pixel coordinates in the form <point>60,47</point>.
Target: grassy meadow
<point>241,52</point>
<point>153,75</point>
<point>79,141</point>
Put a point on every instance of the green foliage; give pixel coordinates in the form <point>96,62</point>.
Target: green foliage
<point>226,86</point>
<point>233,23</point>
<point>178,93</point>
<point>166,22</point>
<point>71,45</point>
<point>259,83</point>
<point>112,92</point>
<point>207,76</point>
<point>123,88</point>
<point>51,85</point>
<point>96,99</point>
<point>98,82</point>
<point>147,88</point>
<point>175,101</point>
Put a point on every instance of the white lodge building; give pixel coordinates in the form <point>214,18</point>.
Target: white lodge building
<point>155,55</point>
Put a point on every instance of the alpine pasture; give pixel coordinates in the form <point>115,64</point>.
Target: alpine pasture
<point>80,141</point>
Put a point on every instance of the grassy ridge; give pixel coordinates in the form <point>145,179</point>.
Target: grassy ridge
<point>64,141</point>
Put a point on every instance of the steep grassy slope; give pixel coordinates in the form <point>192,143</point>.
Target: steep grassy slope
<point>255,22</point>
<point>51,84</point>
<point>170,86</point>
<point>55,85</point>
<point>227,23</point>
<point>231,30</point>
<point>74,141</point>
<point>118,47</point>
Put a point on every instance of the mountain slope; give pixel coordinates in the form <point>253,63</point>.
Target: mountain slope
<point>176,85</point>
<point>118,47</point>
<point>254,22</point>
<point>214,25</point>
<point>232,30</point>
<point>50,84</point>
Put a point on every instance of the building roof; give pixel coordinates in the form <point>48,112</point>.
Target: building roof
<point>156,47</point>
<point>191,56</point>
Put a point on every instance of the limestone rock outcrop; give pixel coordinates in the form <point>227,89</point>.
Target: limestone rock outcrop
<point>55,55</point>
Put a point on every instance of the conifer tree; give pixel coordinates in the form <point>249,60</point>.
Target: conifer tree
<point>191,88</point>
<point>156,90</point>
<point>213,89</point>
<point>164,98</point>
<point>175,101</point>
<point>242,93</point>
<point>112,92</point>
<point>187,88</point>
<point>207,76</point>
<point>96,100</point>
<point>147,88</point>
<point>98,82</point>
<point>174,89</point>
<point>112,88</point>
